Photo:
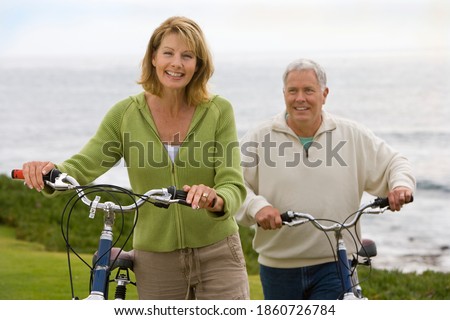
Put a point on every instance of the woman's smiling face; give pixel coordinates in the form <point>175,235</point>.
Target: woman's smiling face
<point>175,63</point>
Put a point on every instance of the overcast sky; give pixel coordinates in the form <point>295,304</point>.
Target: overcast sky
<point>100,27</point>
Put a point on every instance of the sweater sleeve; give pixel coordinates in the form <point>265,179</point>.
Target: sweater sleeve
<point>229,182</point>
<point>387,168</point>
<point>253,202</point>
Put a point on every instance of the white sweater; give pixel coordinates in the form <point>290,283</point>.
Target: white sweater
<point>344,160</point>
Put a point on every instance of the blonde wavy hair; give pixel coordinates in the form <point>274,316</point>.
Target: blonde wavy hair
<point>197,89</point>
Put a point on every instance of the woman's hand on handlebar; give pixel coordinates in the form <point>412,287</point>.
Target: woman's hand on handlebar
<point>398,197</point>
<point>269,218</point>
<point>33,172</point>
<point>201,196</point>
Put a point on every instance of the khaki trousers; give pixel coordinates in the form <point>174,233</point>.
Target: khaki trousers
<point>214,272</point>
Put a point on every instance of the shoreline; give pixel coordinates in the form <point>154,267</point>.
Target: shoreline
<point>410,263</point>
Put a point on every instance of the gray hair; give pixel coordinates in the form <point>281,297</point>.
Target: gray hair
<point>306,64</point>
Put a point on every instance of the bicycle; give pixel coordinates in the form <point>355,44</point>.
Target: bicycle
<point>348,271</point>
<point>107,258</point>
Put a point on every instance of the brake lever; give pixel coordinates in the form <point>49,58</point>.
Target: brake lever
<point>60,183</point>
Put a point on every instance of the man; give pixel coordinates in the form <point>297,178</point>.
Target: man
<point>308,160</point>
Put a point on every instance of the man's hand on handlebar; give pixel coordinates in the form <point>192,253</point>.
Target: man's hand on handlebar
<point>269,218</point>
<point>398,197</point>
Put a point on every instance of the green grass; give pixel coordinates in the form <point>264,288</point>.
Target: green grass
<point>395,285</point>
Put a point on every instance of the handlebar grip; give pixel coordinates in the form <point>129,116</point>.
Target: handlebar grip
<point>384,202</point>
<point>178,195</point>
<point>381,202</point>
<point>51,176</point>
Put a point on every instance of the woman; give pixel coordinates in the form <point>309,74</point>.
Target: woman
<point>174,133</point>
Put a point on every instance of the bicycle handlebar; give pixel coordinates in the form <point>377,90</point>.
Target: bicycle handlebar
<point>377,206</point>
<point>62,181</point>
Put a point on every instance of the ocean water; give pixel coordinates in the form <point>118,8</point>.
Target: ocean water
<point>50,107</point>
